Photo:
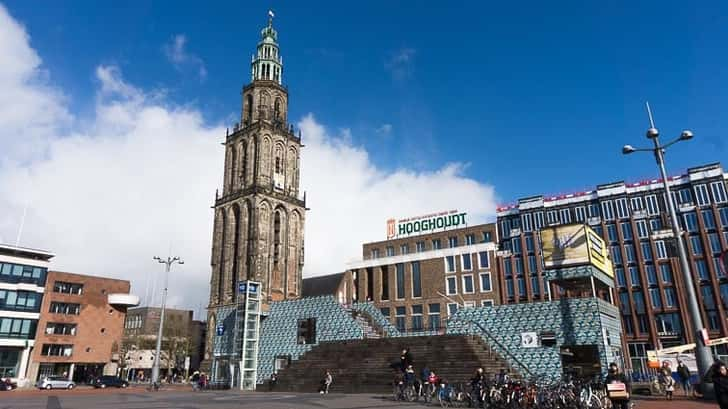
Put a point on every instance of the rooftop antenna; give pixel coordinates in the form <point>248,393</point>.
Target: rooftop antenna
<point>649,114</point>
<point>22,223</point>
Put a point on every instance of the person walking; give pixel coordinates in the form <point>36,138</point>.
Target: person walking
<point>666,379</point>
<point>720,383</point>
<point>618,387</point>
<point>273,381</point>
<point>326,382</point>
<point>683,372</point>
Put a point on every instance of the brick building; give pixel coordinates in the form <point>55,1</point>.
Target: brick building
<point>633,220</point>
<point>22,281</point>
<point>418,281</point>
<point>80,327</point>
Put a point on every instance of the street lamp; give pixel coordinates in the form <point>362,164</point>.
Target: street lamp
<point>168,264</point>
<point>702,353</point>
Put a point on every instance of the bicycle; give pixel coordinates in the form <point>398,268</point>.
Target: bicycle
<point>405,392</point>
<point>154,387</point>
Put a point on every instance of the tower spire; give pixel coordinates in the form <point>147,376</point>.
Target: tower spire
<point>267,64</point>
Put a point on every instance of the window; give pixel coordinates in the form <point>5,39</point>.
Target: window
<point>434,316</point>
<point>655,224</point>
<point>696,245</point>
<point>483,260</point>
<point>580,214</point>
<point>718,266</point>
<point>468,287</point>
<point>622,210</point>
<point>718,189</point>
<point>652,208</point>
<point>537,220</point>
<point>594,210</point>
<point>375,253</point>
<point>487,303</point>
<point>565,216</point>
<point>20,300</point>
<point>57,350</point>
<point>626,231</point>
<point>390,251</point>
<point>723,212</point>
<point>507,267</point>
<point>420,246</point>
<point>642,231</point>
<point>487,237</point>
<point>400,280</point>
<point>519,265</point>
<point>436,244</point>
<point>708,219</point>
<point>467,262</point>
<point>404,249</point>
<point>452,308</point>
<point>417,317</point>
<point>651,275</point>
<point>639,302</point>
<point>708,299</point>
<point>552,217</point>
<point>616,254</point>
<point>452,241</point>
<point>685,197</point>
<point>385,311</point>
<point>385,283</point>
<point>522,287</point>
<point>485,283</point>
<point>627,324</point>
<point>529,244</point>
<point>638,203</point>
<point>691,222</point>
<point>306,334</point>
<point>666,272</point>
<point>515,223</point>
<point>416,280</point>
<point>634,277</point>
<point>532,264</point>
<point>607,210</point>
<point>624,304</point>
<point>629,252</point>
<point>67,288</point>
<point>65,308</point>
<point>714,243</point>
<point>535,286</point>
<point>621,279</point>
<point>661,250</point>
<point>509,288</point>
<point>452,285</point>
<point>724,294</point>
<point>702,270</point>
<point>701,195</point>
<point>670,297</point>
<point>19,328</point>
<point>450,264</point>
<point>612,233</point>
<point>516,245</point>
<point>469,239</point>
<point>400,317</point>
<point>668,323</point>
<point>655,298</point>
<point>646,251</point>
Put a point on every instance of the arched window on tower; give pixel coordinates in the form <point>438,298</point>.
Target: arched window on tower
<point>276,237</point>
<point>244,165</point>
<point>278,165</point>
<point>249,109</point>
<point>277,109</point>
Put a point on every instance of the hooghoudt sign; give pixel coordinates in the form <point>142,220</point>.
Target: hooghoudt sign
<point>425,224</point>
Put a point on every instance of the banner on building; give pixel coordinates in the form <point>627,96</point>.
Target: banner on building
<point>425,224</point>
<point>573,245</point>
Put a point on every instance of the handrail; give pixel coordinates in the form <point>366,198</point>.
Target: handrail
<point>494,340</point>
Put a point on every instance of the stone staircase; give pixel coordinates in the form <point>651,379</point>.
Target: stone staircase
<point>368,327</point>
<point>364,366</point>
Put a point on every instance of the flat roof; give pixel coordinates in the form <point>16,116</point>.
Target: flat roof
<point>25,252</point>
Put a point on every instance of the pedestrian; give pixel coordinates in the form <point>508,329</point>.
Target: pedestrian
<point>683,372</point>
<point>273,381</point>
<point>720,383</point>
<point>666,379</point>
<point>405,359</point>
<point>326,383</point>
<point>195,381</point>
<point>618,387</point>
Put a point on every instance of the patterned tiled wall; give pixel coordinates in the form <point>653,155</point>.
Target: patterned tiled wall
<point>578,321</point>
<point>279,329</point>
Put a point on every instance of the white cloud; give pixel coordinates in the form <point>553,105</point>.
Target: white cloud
<point>180,57</point>
<point>384,129</point>
<point>137,179</point>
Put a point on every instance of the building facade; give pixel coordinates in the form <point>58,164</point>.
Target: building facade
<point>81,326</point>
<point>634,221</point>
<point>418,281</point>
<point>259,217</point>
<point>22,280</point>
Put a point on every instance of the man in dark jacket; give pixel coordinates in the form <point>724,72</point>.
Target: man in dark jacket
<point>720,383</point>
<point>683,372</point>
<point>405,359</point>
<point>616,377</point>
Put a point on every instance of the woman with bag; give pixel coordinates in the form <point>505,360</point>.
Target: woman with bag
<point>618,387</point>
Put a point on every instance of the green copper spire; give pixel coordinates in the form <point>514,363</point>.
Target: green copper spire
<point>267,63</point>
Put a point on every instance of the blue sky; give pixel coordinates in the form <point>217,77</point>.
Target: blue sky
<point>535,96</point>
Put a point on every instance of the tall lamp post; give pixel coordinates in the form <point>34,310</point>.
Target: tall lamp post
<point>702,352</point>
<point>167,265</point>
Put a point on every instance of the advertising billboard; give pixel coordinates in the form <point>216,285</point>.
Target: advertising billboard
<point>425,224</point>
<point>573,245</point>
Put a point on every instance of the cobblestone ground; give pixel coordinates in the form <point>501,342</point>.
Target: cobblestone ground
<point>182,398</point>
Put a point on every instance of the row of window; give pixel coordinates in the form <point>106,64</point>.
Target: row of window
<point>521,281</point>
<point>436,244</point>
<point>433,314</point>
<point>56,328</point>
<point>65,308</point>
<point>634,275</point>
<point>616,209</point>
<point>13,273</point>
<point>67,288</point>
<point>466,262</point>
<point>467,284</point>
<point>133,322</point>
<point>17,328</point>
<point>57,350</point>
<point>20,300</point>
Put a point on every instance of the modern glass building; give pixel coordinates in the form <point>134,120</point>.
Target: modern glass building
<point>634,221</point>
<point>22,281</point>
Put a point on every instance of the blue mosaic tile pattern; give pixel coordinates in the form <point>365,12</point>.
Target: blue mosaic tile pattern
<point>379,319</point>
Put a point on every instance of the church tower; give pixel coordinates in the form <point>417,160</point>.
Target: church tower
<point>259,216</point>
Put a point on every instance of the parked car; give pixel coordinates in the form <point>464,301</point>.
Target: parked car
<point>55,382</point>
<point>108,380</point>
<point>7,385</point>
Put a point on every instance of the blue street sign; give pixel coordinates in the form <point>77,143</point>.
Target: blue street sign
<point>253,288</point>
<point>220,329</point>
<point>242,287</point>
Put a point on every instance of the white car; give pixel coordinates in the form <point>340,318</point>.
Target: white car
<point>55,382</point>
